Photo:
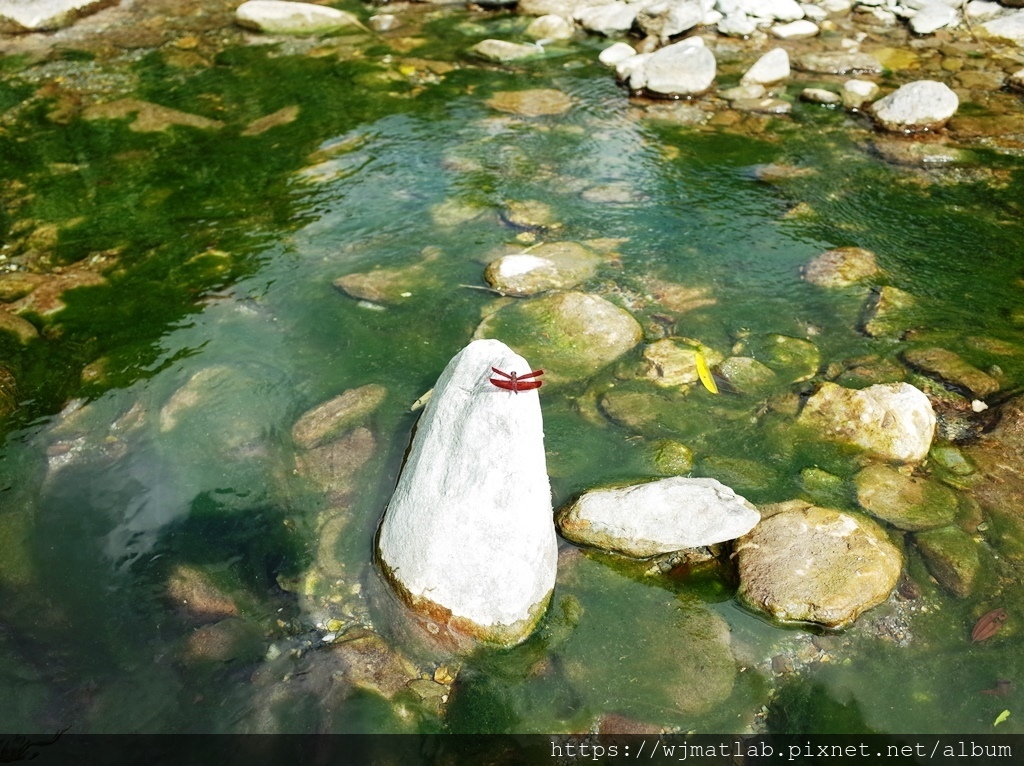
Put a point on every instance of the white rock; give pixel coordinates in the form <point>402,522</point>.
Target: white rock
<point>743,92</point>
<point>771,67</point>
<point>837,7</point>
<point>795,30</point>
<point>278,17</point>
<point>710,18</point>
<point>920,105</point>
<point>820,96</point>
<point>856,93</point>
<point>725,7</point>
<point>469,528</point>
<point>39,15</point>
<point>737,24</point>
<point>983,10</point>
<point>1016,81</point>
<point>666,18</point>
<point>1010,28</point>
<point>932,17</point>
<point>681,69</point>
<point>813,12</point>
<point>782,10</point>
<point>615,54</point>
<point>550,27</point>
<point>608,19</point>
<point>631,71</point>
<point>893,421</point>
<point>882,16</point>
<point>658,517</point>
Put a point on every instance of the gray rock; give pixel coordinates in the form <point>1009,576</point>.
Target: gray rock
<point>644,520</point>
<point>810,564</point>
<point>291,18</point>
<point>681,69</point>
<point>745,375</point>
<point>906,502</point>
<point>772,67</point>
<point>892,421</point>
<point>736,24</point>
<point>916,106</point>
<point>838,62</point>
<point>841,267</point>
<point>467,539</point>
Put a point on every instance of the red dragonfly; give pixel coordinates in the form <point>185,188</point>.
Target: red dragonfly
<point>515,382</point>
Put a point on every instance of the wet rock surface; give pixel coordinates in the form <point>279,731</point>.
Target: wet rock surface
<point>809,564</point>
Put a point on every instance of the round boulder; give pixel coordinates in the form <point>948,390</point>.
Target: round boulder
<point>681,69</point>
<point>916,106</point>
<point>841,267</point>
<point>811,564</point>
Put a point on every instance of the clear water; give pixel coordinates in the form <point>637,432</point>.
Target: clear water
<point>228,247</point>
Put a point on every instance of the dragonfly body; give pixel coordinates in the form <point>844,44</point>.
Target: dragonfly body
<point>514,382</point>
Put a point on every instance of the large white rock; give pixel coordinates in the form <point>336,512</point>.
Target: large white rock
<point>1009,28</point>
<point>795,30</point>
<point>658,517</point>
<point>894,421</point>
<point>278,17</point>
<point>931,17</point>
<point>608,19</point>
<point>616,53</point>
<point>771,67</point>
<point>921,105</point>
<point>681,69</point>
<point>737,24</point>
<point>36,15</point>
<point>468,539</point>
<point>667,18</point>
<point>782,10</point>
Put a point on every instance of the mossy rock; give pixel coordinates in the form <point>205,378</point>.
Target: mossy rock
<point>952,557</point>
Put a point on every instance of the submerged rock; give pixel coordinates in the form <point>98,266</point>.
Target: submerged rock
<point>332,418</point>
<point>502,51</point>
<point>906,502</point>
<point>574,334</point>
<point>672,362</point>
<point>792,359</point>
<point>916,106</point>
<point>644,520</point>
<point>952,369</point>
<point>888,313</point>
<point>537,102</point>
<point>841,267</point>
<point>838,62</point>
<point>892,421</point>
<point>192,593</point>
<point>951,555</point>
<point>225,641</point>
<point>20,328</point>
<point>746,375</point>
<point>278,17</point>
<point>552,266</point>
<point>467,540</point>
<point>809,564</point>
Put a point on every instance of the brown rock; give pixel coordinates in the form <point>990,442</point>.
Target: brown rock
<point>841,267</point>
<point>192,593</point>
<point>340,414</point>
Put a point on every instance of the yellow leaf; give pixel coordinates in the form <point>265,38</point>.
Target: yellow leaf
<point>704,373</point>
<point>1001,717</point>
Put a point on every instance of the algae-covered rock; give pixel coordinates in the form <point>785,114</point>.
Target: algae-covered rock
<point>744,474</point>
<point>502,51</point>
<point>811,564</point>
<point>647,410</point>
<point>841,267</point>
<point>391,285</point>
<point>672,362</point>
<point>824,488</point>
<point>537,102</point>
<point>551,266</point>
<point>8,391</point>
<point>21,328</point>
<point>892,421</point>
<point>224,641</point>
<point>952,557</point>
<point>672,458</point>
<point>193,593</point>
<point>17,567</point>
<point>907,502</point>
<point>888,313</point>
<point>951,368</point>
<point>571,335</point>
<point>791,359</point>
<point>746,375</point>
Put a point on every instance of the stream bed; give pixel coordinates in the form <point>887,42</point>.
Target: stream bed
<point>165,564</point>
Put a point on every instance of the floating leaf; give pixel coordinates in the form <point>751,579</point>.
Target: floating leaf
<point>988,625</point>
<point>1001,717</point>
<point>704,373</point>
